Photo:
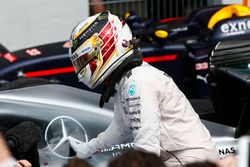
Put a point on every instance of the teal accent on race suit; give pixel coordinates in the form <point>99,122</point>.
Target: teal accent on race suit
<point>131,90</point>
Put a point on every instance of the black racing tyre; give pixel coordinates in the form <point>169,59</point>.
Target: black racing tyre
<point>25,82</point>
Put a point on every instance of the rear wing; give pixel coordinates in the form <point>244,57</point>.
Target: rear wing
<point>232,53</point>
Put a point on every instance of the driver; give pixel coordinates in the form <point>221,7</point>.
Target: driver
<point>148,104</point>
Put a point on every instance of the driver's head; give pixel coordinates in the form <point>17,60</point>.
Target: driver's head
<point>99,45</point>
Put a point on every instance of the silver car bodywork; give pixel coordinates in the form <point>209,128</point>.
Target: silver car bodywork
<point>63,111</point>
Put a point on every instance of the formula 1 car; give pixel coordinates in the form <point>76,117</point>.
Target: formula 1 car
<point>64,112</point>
<point>192,38</point>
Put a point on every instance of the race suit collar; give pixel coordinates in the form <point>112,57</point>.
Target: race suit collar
<point>130,63</point>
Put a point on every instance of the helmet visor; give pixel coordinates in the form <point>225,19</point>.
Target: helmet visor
<point>82,61</point>
<point>86,53</point>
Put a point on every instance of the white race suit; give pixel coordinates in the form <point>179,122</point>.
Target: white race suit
<point>149,106</point>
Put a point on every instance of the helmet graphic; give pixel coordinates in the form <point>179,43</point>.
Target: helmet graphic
<point>99,45</point>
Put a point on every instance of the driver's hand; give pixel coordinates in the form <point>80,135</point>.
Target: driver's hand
<point>83,150</point>
<point>23,163</point>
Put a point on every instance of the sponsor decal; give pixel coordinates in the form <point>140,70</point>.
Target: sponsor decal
<point>133,99</point>
<point>87,33</point>
<point>135,128</point>
<point>88,46</point>
<point>75,43</point>
<point>229,150</point>
<point>136,112</point>
<point>119,147</point>
<point>11,58</point>
<point>237,27</point>
<point>131,89</point>
<point>135,120</point>
<point>86,50</point>
<point>201,66</point>
<point>200,77</point>
<point>103,16</point>
<point>33,52</point>
<point>179,29</point>
<point>125,43</point>
<point>115,154</point>
<point>134,105</point>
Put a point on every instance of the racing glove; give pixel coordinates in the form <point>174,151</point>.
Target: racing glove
<point>83,150</point>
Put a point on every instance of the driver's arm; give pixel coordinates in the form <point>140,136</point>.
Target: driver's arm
<point>116,133</point>
<point>144,114</point>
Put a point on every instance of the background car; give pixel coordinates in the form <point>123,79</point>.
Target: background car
<point>185,59</point>
<point>194,38</point>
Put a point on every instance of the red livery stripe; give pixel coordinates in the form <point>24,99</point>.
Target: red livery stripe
<point>171,19</point>
<point>49,72</point>
<point>160,58</point>
<point>63,70</point>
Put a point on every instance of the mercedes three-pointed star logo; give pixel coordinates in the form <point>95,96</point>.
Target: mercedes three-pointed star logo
<point>59,131</point>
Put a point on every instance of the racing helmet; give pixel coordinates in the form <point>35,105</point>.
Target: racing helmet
<point>99,45</point>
